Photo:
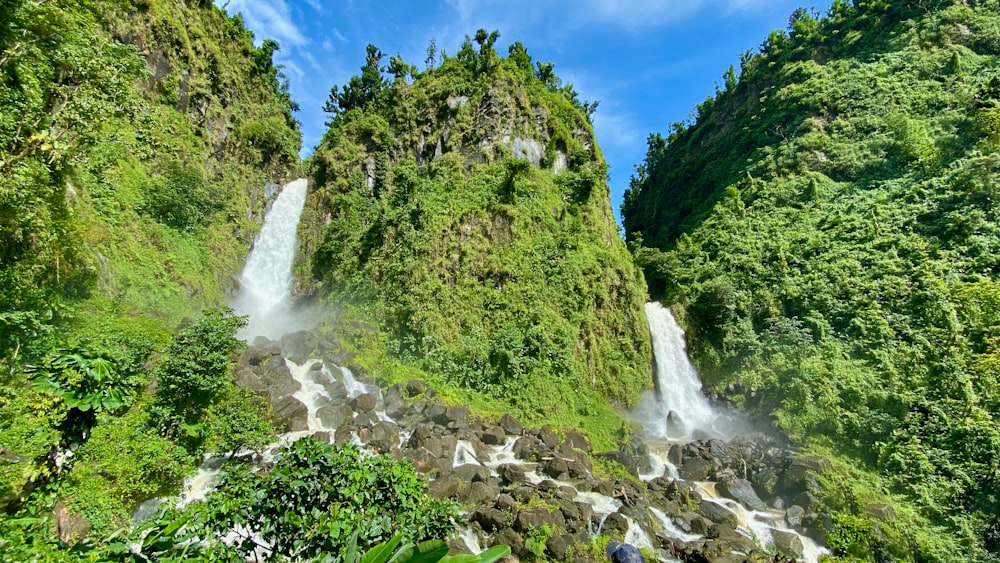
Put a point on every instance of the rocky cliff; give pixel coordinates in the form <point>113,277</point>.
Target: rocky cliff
<point>466,207</point>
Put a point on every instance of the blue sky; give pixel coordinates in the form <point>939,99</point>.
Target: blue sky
<point>647,61</point>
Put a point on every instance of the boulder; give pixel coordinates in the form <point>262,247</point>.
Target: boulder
<point>334,416</point>
<point>511,425</point>
<point>793,516</point>
<point>381,436</point>
<point>446,486</point>
<point>477,493</point>
<point>555,467</point>
<point>558,545</point>
<point>493,436</point>
<point>509,537</point>
<point>298,346</point>
<point>473,473</point>
<point>490,519</point>
<point>766,482</point>
<point>506,502</point>
<point>529,519</point>
<point>717,513</point>
<point>548,436</point>
<point>415,387</point>
<point>788,543</point>
<point>511,473</point>
<point>615,525</point>
<point>362,420</point>
<point>528,448</point>
<point>364,403</point>
<point>289,414</point>
<point>742,492</point>
<point>696,469</point>
<point>395,404</point>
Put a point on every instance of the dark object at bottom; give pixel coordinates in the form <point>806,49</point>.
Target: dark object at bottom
<point>623,553</point>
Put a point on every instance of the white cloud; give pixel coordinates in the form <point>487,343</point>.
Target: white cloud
<point>340,36</point>
<point>269,18</point>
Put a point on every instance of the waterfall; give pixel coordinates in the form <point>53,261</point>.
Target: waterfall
<point>267,277</point>
<point>677,409</point>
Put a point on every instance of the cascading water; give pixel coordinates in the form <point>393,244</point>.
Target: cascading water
<point>267,276</point>
<point>677,409</point>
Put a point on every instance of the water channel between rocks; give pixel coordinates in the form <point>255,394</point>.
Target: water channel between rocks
<point>495,469</point>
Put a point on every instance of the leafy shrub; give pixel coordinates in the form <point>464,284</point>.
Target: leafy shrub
<point>180,198</point>
<point>318,502</point>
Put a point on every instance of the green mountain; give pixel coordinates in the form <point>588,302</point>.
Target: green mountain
<point>464,211</point>
<point>828,223</point>
<point>136,139</point>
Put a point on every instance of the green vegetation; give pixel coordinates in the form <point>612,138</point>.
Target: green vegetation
<point>318,502</point>
<point>498,279</point>
<point>828,223</point>
<point>135,141</point>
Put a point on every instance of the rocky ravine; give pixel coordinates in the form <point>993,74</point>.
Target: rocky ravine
<point>530,487</point>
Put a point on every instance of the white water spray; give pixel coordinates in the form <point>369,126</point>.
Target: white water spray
<point>677,409</point>
<point>267,277</point>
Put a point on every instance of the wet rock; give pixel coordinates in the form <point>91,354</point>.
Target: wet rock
<point>395,404</point>
<point>478,492</point>
<point>364,403</point>
<point>417,408</point>
<point>511,473</point>
<point>675,454</point>
<point>381,437</point>
<point>298,346</point>
<point>742,492</point>
<point>615,525</point>
<point>289,414</point>
<point>511,425</point>
<point>556,468</point>
<point>766,482</point>
<point>717,513</point>
<point>423,436</point>
<point>362,420</point>
<point>321,437</point>
<point>529,448</point>
<point>334,416</point>
<point>493,436</point>
<point>697,524</point>
<point>490,519</point>
<point>788,543</point>
<point>580,466</point>
<point>472,473</point>
<point>533,518</point>
<point>696,469</point>
<point>793,516</point>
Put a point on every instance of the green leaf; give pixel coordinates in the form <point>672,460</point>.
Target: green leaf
<point>381,552</point>
<point>430,551</point>
<point>494,553</point>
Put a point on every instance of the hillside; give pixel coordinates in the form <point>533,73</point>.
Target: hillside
<point>136,140</point>
<point>828,225</point>
<point>464,211</point>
